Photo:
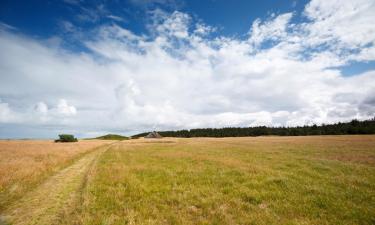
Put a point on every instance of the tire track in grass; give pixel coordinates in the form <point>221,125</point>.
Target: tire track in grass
<point>56,195</point>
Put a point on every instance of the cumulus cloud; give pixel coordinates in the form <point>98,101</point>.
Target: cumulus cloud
<point>178,77</point>
<point>349,23</point>
<point>174,25</point>
<point>6,115</point>
<point>65,109</point>
<point>203,29</point>
<point>273,29</point>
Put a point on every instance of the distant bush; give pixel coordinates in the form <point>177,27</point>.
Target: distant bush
<point>112,137</point>
<point>66,138</point>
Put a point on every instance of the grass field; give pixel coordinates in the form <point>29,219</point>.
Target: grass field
<point>262,180</point>
<point>25,163</point>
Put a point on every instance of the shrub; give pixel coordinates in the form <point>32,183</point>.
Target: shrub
<point>112,137</point>
<point>66,138</point>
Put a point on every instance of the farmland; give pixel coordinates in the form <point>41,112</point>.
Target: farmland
<point>249,180</point>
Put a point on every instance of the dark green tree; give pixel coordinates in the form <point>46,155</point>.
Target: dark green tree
<point>352,127</point>
<point>66,138</point>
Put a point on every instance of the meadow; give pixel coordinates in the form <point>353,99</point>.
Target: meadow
<point>249,180</point>
<point>26,163</point>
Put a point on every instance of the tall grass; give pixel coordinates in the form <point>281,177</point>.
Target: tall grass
<point>24,164</point>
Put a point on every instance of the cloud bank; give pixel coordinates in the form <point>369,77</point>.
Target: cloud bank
<point>182,75</point>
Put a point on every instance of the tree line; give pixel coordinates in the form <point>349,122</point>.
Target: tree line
<point>352,127</point>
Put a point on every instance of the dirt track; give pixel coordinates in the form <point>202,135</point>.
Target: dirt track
<point>55,196</point>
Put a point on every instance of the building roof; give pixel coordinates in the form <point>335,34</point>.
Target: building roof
<point>153,134</point>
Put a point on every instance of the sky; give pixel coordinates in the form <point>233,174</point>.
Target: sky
<point>129,66</point>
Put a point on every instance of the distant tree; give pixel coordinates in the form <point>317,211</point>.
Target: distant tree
<point>66,138</point>
<point>352,127</point>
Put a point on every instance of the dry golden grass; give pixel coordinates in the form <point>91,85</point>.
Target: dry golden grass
<point>25,163</point>
<point>56,197</point>
<point>252,180</point>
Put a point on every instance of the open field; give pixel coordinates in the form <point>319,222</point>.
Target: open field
<point>25,163</point>
<point>258,180</point>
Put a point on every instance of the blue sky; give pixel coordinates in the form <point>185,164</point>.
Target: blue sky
<point>94,67</point>
<point>42,18</point>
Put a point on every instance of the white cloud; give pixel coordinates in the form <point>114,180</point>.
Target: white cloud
<point>41,108</point>
<point>64,109</point>
<point>203,29</point>
<point>6,114</point>
<point>349,22</point>
<point>174,25</point>
<point>116,18</point>
<point>342,26</point>
<point>274,29</point>
<point>365,54</point>
<point>177,77</point>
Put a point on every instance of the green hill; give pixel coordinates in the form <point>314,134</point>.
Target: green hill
<point>112,137</point>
